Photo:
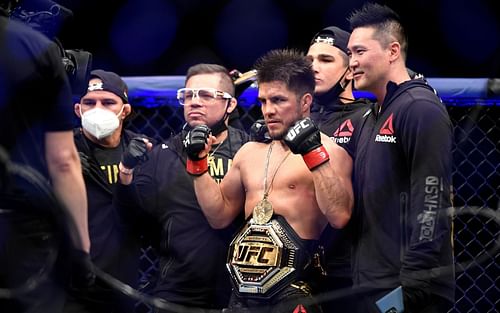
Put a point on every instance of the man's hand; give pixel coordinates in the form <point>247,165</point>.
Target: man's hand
<point>304,138</point>
<point>137,152</point>
<point>82,270</point>
<point>259,132</point>
<point>195,143</point>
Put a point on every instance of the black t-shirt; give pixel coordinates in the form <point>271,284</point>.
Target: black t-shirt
<point>108,160</point>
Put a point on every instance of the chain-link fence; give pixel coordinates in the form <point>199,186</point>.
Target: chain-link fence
<point>476,181</point>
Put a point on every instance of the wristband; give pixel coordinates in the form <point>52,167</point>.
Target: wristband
<point>316,157</point>
<point>197,167</point>
<point>124,170</point>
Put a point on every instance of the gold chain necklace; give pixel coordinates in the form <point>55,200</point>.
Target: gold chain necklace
<point>263,211</point>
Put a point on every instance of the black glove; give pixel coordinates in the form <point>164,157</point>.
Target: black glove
<point>195,141</point>
<point>136,153</point>
<point>82,270</point>
<point>304,138</point>
<point>259,132</point>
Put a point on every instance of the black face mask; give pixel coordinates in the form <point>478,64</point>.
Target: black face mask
<point>335,91</point>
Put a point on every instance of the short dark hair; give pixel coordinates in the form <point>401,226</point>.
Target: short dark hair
<point>289,66</point>
<point>386,22</point>
<point>205,68</point>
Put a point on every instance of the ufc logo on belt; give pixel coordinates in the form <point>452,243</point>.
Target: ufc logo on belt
<point>256,254</point>
<point>295,130</point>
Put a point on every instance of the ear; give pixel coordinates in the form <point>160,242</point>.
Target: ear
<point>394,51</point>
<point>305,102</point>
<point>349,74</point>
<point>76,108</point>
<point>127,109</point>
<point>232,105</point>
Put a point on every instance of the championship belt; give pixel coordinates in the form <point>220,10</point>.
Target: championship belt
<point>265,258</point>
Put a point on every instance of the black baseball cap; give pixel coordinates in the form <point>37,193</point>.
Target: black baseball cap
<point>110,82</point>
<point>333,36</point>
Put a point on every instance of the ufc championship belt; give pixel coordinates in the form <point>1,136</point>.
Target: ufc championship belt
<point>265,258</point>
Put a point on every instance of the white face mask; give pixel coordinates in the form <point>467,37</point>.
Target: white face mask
<point>99,122</point>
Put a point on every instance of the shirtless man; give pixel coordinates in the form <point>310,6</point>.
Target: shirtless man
<point>290,189</point>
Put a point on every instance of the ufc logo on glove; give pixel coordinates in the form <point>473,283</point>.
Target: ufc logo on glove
<point>295,130</point>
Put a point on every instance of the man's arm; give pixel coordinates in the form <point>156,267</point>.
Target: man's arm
<point>333,185</point>
<point>66,175</point>
<point>331,168</point>
<point>220,203</point>
<point>427,139</point>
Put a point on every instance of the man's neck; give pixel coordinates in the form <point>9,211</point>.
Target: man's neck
<point>347,96</point>
<point>221,137</point>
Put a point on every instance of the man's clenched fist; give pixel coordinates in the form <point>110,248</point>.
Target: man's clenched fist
<point>304,138</point>
<point>194,143</point>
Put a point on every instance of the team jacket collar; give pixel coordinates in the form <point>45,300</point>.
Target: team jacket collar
<point>394,90</point>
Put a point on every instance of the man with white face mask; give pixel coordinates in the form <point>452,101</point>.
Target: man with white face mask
<point>101,142</point>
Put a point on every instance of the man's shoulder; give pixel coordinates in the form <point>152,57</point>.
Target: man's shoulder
<point>248,150</point>
<point>239,134</point>
<point>23,36</point>
<point>417,89</point>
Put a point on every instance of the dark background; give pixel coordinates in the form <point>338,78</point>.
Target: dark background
<point>447,38</point>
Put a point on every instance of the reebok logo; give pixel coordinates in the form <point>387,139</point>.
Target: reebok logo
<point>300,309</point>
<point>343,134</point>
<point>386,132</point>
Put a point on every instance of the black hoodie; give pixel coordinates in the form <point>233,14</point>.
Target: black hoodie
<point>402,179</point>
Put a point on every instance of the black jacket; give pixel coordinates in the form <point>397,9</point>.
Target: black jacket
<point>402,179</point>
<point>192,254</point>
<point>115,241</point>
<point>337,119</point>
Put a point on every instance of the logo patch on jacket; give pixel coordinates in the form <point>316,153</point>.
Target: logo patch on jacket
<point>299,309</point>
<point>343,134</point>
<point>386,132</point>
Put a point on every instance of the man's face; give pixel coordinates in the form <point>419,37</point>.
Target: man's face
<point>329,65</point>
<point>280,107</point>
<point>101,99</point>
<point>369,61</point>
<point>201,110</point>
